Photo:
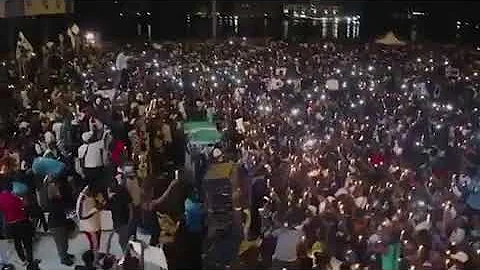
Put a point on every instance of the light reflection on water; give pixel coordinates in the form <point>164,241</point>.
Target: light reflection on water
<point>286,29</point>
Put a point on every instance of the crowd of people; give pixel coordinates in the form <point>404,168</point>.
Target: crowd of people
<point>353,156</point>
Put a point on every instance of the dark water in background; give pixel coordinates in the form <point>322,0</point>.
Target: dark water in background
<point>433,29</point>
<point>115,28</point>
<point>230,26</point>
<point>227,26</point>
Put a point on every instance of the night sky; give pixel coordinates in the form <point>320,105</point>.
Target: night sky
<point>467,9</point>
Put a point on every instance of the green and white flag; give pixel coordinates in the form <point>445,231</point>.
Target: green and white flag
<point>202,133</point>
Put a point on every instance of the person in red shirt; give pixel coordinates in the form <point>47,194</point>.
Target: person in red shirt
<point>18,226</point>
<point>119,152</point>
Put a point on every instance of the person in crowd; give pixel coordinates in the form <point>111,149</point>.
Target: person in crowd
<point>88,259</point>
<point>57,220</point>
<point>135,191</point>
<point>89,206</point>
<point>91,156</point>
<point>194,229</point>
<point>19,227</point>
<point>379,146</point>
<point>121,206</point>
<point>288,239</point>
<point>121,65</point>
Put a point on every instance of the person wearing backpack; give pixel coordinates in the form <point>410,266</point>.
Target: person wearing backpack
<point>91,158</point>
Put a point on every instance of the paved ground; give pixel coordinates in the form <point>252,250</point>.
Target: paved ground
<point>46,251</point>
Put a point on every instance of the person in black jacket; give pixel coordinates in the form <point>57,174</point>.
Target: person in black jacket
<point>121,205</point>
<point>58,222</point>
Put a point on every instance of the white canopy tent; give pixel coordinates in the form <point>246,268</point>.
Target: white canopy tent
<point>390,39</point>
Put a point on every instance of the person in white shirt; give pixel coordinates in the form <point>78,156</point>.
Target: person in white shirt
<point>91,155</point>
<point>288,238</point>
<point>121,65</point>
<point>88,208</point>
<point>121,62</point>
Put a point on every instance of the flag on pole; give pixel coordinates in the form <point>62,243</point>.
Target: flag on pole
<point>23,46</point>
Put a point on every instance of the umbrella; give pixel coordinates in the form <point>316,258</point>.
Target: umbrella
<point>19,188</point>
<point>43,166</point>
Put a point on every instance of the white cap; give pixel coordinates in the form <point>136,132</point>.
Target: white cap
<point>312,209</point>
<point>86,136</point>
<point>23,125</point>
<point>49,137</point>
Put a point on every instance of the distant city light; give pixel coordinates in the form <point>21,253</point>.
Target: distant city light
<point>295,111</point>
<point>416,13</point>
<point>90,38</point>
